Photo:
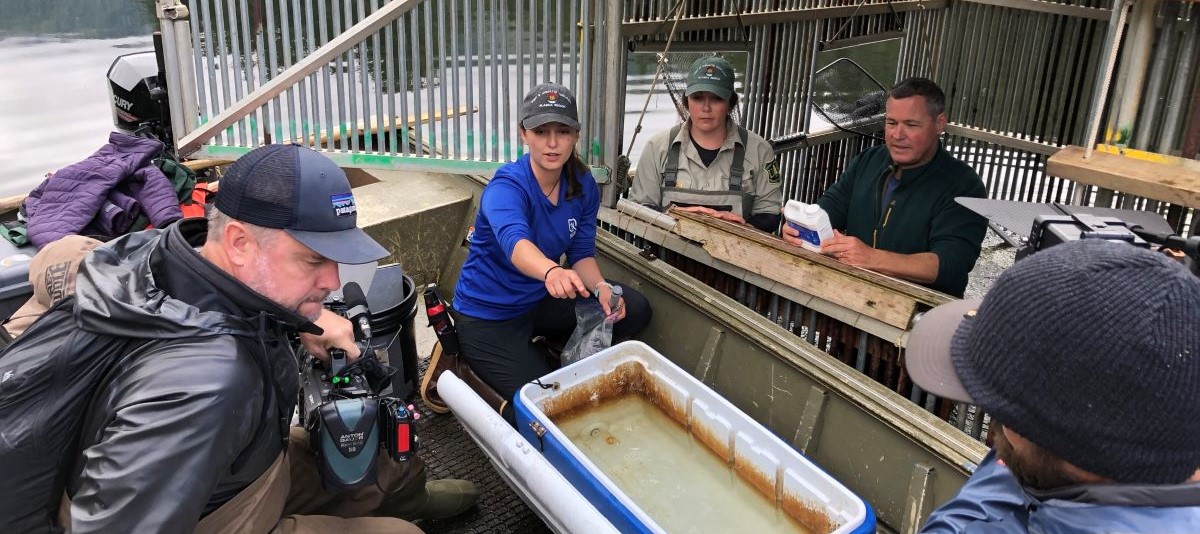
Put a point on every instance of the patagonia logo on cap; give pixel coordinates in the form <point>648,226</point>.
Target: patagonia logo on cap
<point>343,204</point>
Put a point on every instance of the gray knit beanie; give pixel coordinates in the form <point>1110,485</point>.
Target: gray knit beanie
<point>1091,350</point>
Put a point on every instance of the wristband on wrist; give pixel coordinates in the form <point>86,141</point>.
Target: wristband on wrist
<point>547,275</point>
<point>602,283</point>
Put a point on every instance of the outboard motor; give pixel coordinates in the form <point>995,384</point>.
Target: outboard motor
<point>138,92</point>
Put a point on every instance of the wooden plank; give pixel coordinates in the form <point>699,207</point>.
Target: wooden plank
<point>197,165</point>
<point>374,125</point>
<point>1053,8</point>
<point>1159,177</point>
<point>11,203</point>
<point>1001,139</point>
<point>888,300</point>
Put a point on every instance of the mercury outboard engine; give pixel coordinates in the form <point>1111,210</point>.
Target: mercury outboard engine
<point>138,92</point>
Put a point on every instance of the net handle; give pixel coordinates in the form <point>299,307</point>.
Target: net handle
<point>662,58</point>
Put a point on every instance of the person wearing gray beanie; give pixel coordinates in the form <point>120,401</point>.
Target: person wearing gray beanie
<point>1087,357</point>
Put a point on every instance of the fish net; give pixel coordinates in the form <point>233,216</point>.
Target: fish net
<point>848,97</point>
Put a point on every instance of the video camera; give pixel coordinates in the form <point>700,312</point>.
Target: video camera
<point>1052,224</point>
<point>349,422</point>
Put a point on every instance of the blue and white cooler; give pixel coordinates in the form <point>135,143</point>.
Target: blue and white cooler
<point>694,464</point>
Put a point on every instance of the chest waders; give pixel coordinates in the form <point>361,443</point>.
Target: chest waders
<point>734,198</point>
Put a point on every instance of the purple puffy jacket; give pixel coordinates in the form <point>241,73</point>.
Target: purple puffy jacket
<point>103,194</point>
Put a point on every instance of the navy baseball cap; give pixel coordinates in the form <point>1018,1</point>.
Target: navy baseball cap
<point>303,193</point>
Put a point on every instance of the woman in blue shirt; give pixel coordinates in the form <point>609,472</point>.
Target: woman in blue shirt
<point>512,286</point>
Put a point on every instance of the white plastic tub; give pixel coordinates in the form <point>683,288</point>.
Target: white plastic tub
<point>795,486</point>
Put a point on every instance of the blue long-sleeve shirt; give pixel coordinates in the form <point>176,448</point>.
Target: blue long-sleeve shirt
<point>512,207</point>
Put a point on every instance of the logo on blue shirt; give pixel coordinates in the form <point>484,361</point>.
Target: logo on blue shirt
<point>572,225</point>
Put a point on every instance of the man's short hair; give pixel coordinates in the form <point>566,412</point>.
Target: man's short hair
<point>935,99</point>
<point>217,221</point>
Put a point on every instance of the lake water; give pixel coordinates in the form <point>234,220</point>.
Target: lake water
<point>54,57</point>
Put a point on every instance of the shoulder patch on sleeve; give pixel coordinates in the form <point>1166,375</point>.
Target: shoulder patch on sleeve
<point>772,169</point>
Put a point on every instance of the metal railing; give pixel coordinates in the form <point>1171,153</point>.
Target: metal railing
<point>1019,76</point>
<point>433,85</point>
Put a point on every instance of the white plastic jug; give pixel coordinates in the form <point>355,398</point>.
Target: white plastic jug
<point>811,221</point>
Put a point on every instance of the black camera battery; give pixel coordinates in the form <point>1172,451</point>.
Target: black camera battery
<point>1050,230</point>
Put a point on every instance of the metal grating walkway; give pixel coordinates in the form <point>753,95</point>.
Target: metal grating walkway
<point>450,453</point>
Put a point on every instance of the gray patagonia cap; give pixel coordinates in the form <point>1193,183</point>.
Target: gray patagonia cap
<point>303,193</point>
<point>549,102</point>
<point>710,74</point>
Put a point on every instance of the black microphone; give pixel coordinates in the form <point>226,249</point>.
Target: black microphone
<point>356,308</point>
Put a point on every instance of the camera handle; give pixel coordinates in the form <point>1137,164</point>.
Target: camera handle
<point>1190,246</point>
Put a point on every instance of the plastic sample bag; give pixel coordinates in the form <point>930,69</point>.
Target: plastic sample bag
<point>593,330</point>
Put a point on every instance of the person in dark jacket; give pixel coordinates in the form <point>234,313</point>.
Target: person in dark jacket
<point>893,209</point>
<point>1087,357</point>
<point>190,431</point>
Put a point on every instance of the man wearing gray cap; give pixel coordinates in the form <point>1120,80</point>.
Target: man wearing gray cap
<point>183,335</point>
<point>710,164</point>
<point>1087,357</point>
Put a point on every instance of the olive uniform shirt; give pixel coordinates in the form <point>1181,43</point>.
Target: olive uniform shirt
<point>760,174</point>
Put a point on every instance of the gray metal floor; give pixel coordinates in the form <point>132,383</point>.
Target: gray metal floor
<point>450,453</point>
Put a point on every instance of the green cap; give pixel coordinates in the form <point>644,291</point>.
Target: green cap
<point>711,74</point>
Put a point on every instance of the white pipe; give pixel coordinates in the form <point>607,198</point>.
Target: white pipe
<point>542,487</point>
<point>190,108</point>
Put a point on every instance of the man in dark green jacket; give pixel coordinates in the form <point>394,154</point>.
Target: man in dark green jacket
<point>893,209</point>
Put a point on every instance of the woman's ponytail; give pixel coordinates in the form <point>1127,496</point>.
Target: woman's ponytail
<point>575,168</point>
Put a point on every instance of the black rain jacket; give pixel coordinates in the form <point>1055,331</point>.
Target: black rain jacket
<point>154,395</point>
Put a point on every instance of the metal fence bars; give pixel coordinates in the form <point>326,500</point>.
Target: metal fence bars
<point>435,85</point>
<point>1018,77</point>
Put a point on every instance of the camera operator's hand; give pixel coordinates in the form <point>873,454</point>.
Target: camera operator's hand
<point>339,334</point>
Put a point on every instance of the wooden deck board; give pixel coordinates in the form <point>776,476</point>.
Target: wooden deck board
<point>1164,178</point>
<point>886,299</point>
